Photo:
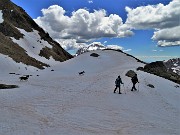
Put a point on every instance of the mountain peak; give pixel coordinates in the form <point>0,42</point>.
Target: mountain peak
<point>17,44</point>
<point>173,65</point>
<point>92,47</point>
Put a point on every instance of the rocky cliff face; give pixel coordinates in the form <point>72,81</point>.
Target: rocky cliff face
<point>159,68</point>
<point>173,65</point>
<point>16,19</point>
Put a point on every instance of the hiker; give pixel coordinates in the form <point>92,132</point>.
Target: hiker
<point>134,80</point>
<point>117,83</point>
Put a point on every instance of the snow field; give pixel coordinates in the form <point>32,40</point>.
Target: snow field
<point>62,102</point>
<point>33,44</point>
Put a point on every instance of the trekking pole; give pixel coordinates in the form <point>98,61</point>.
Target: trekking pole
<point>128,85</point>
<point>124,89</point>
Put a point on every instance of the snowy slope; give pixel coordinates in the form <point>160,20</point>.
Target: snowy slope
<point>33,44</point>
<point>61,102</point>
<point>8,65</point>
<point>24,41</point>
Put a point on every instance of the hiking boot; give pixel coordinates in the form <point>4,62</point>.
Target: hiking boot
<point>120,93</point>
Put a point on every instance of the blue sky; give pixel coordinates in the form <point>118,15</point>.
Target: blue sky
<point>148,29</point>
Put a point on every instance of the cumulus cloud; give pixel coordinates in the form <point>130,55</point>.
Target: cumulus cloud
<point>117,47</point>
<point>82,26</point>
<point>71,44</point>
<point>164,19</point>
<point>154,16</point>
<point>168,36</point>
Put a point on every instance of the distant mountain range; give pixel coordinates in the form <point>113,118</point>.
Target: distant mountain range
<point>24,41</point>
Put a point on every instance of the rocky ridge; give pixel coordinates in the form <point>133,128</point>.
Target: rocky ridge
<point>159,68</point>
<point>173,65</point>
<point>15,18</point>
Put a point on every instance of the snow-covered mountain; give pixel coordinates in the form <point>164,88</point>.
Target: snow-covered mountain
<point>173,65</point>
<point>61,102</point>
<point>92,47</point>
<point>97,46</point>
<point>23,41</point>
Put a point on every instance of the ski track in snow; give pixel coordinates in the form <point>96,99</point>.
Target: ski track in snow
<point>64,103</point>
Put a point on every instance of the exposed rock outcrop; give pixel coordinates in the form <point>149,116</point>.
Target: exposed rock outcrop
<point>158,68</point>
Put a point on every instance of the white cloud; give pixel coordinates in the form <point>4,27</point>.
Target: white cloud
<point>98,43</point>
<point>157,50</point>
<point>105,42</point>
<point>168,36</point>
<point>117,47</point>
<point>1,17</point>
<point>154,16</point>
<point>82,26</point>
<point>157,56</point>
<point>165,43</point>
<point>127,50</point>
<point>71,44</point>
<point>90,1</point>
<point>165,19</point>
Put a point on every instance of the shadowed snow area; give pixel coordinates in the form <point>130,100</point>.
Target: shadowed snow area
<point>61,102</point>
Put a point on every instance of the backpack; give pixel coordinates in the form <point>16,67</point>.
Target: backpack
<point>134,79</point>
<point>117,81</point>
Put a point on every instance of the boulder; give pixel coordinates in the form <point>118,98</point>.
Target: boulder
<point>94,55</point>
<point>130,73</point>
<point>151,86</point>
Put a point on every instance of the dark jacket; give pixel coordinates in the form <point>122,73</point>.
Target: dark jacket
<point>134,79</point>
<point>118,81</point>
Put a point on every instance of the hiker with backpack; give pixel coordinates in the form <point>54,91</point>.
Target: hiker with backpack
<point>117,83</point>
<point>134,80</point>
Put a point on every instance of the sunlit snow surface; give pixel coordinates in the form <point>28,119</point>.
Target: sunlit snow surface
<point>61,102</point>
<point>33,44</point>
<point>1,17</point>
